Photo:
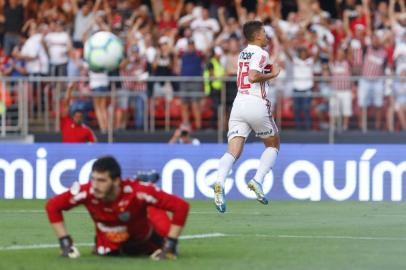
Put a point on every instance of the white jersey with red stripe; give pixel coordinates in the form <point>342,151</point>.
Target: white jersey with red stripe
<point>253,57</point>
<point>251,108</point>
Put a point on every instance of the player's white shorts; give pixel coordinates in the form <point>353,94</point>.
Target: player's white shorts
<point>251,113</point>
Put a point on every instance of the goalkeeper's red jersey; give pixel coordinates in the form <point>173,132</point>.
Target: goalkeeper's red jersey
<point>126,218</point>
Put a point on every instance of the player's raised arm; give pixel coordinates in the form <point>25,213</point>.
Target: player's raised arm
<point>54,208</point>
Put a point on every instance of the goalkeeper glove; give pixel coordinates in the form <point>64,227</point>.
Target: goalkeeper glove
<point>169,250</point>
<point>67,247</point>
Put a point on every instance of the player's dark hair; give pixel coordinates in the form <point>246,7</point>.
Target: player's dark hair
<point>250,28</point>
<point>107,164</point>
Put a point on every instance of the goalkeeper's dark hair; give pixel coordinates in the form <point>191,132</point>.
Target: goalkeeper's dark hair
<point>107,164</point>
<point>250,28</point>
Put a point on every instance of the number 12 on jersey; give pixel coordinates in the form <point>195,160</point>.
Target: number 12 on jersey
<point>242,74</point>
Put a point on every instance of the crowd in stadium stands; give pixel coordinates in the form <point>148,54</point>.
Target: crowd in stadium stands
<point>203,38</point>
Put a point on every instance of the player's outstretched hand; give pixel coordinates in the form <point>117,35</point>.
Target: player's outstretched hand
<point>67,248</point>
<point>169,250</point>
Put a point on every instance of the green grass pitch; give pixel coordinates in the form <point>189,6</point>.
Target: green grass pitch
<point>285,235</point>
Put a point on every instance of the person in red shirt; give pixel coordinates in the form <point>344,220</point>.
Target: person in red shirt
<point>73,129</point>
<point>130,216</point>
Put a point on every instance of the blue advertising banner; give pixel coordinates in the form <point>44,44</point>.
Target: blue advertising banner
<point>302,171</point>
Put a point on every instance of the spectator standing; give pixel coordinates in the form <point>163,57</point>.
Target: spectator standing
<point>204,29</point>
<point>73,129</point>
<point>341,84</point>
<point>357,49</point>
<point>36,61</point>
<point>191,91</point>
<point>134,66</point>
<point>164,65</point>
<point>84,14</point>
<point>13,20</point>
<point>303,84</point>
<point>371,88</point>
<point>34,53</point>
<point>58,46</point>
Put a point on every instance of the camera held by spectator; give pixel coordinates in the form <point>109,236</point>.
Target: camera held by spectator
<point>182,135</point>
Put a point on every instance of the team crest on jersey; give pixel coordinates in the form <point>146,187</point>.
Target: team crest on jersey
<point>128,189</point>
<point>124,216</point>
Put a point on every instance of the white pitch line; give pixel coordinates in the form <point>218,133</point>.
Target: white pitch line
<point>41,246</point>
<point>212,235</point>
<point>342,237</point>
<point>199,236</point>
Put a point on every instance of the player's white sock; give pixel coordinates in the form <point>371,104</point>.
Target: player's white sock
<point>266,163</point>
<point>225,164</point>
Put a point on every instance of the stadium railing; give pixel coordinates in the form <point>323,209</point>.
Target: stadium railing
<point>34,103</point>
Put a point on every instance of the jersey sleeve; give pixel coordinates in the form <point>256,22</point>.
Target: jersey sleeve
<point>154,196</point>
<point>258,61</point>
<point>75,196</point>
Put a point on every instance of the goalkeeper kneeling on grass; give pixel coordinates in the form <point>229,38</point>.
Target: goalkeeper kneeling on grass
<point>130,216</point>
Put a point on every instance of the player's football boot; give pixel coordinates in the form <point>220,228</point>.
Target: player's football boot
<point>257,188</point>
<point>219,198</point>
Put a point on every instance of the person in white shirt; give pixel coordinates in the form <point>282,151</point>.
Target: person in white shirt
<point>58,46</point>
<point>251,111</point>
<point>36,62</point>
<point>303,84</point>
<point>83,18</point>
<point>33,52</point>
<point>204,29</point>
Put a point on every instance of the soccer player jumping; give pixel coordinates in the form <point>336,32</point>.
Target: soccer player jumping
<point>251,111</point>
<point>130,216</point>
